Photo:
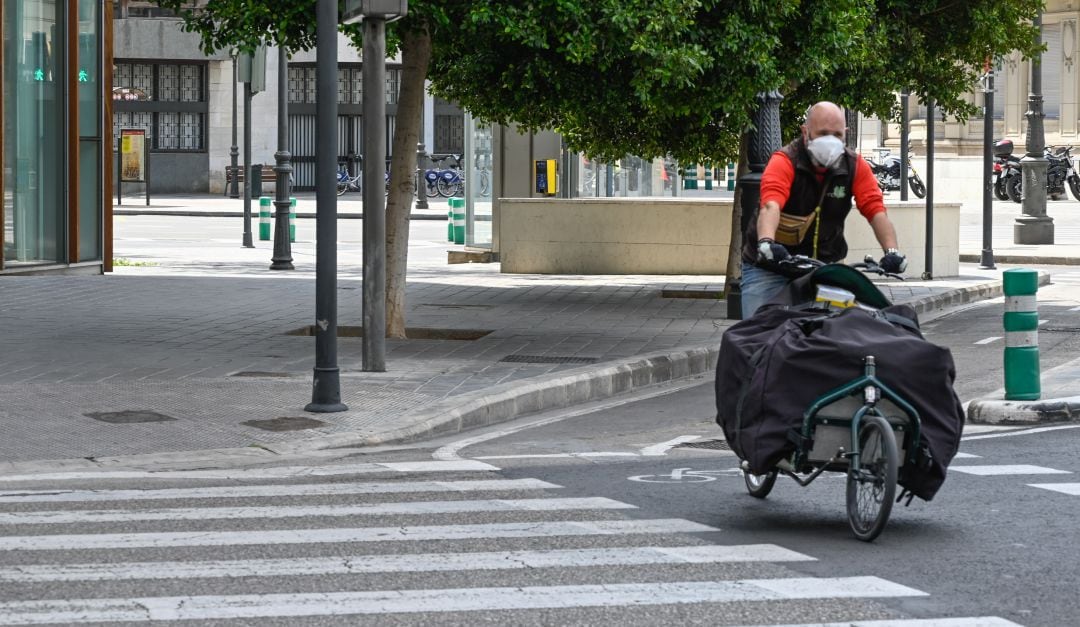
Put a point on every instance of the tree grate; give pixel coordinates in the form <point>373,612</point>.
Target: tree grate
<point>548,359</point>
<point>285,423</point>
<point>714,445</point>
<point>131,416</point>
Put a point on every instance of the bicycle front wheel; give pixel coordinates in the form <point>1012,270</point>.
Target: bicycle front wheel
<point>341,187</point>
<point>871,485</point>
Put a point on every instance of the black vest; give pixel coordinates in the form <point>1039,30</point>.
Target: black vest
<point>834,194</point>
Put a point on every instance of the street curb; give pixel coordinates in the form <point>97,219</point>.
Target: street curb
<point>512,400</point>
<point>994,412</point>
<point>1024,260</point>
<point>240,214</point>
<point>965,295</point>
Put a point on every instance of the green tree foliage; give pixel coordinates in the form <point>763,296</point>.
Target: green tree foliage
<point>679,76</point>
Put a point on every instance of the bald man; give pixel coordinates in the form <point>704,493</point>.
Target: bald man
<point>811,183</point>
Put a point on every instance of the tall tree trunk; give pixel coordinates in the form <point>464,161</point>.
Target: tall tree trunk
<point>415,57</point>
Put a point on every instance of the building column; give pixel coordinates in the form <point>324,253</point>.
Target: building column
<point>1016,71</point>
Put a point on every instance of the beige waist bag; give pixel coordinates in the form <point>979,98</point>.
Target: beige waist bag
<point>792,230</point>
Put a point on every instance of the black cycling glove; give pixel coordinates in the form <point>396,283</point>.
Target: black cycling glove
<point>771,252</point>
<point>893,262</point>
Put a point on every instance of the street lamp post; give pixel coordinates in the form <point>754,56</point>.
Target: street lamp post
<point>905,164</point>
<point>987,258</point>
<point>326,385</point>
<point>1034,226</point>
<point>282,258</point>
<point>248,243</point>
<point>765,139</point>
<point>374,14</point>
<point>234,152</point>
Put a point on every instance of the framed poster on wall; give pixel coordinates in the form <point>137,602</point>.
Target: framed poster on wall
<point>133,166</point>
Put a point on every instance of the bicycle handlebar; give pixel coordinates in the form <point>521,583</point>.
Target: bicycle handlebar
<point>798,265</point>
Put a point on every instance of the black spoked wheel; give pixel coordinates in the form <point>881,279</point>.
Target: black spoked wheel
<point>999,190</point>
<point>1014,187</point>
<point>1074,186</point>
<point>871,487</point>
<point>759,486</point>
<point>917,186</point>
<point>341,187</point>
<point>450,188</point>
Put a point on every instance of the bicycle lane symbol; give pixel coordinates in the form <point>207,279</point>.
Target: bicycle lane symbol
<point>687,475</point>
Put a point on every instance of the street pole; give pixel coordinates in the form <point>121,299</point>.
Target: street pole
<point>234,151</point>
<point>905,143</point>
<point>326,385</point>
<point>986,261</point>
<point>765,139</point>
<point>928,264</point>
<point>247,166</point>
<point>374,248</point>
<point>282,258</point>
<point>421,171</point>
<point>1034,226</point>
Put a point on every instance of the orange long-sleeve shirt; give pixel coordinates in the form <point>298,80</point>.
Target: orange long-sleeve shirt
<point>780,174</point>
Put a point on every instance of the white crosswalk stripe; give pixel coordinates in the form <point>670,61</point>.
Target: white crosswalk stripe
<point>1072,489</point>
<point>445,600</point>
<point>230,492</point>
<point>970,621</point>
<point>1008,469</point>
<point>185,541</point>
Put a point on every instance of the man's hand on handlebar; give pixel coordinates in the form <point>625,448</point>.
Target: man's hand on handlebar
<point>771,252</point>
<point>894,262</point>
<point>869,265</point>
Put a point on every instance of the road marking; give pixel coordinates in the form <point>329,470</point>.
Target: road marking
<point>965,456</point>
<point>1008,469</point>
<point>1018,432</point>
<point>1075,309</point>
<point>359,534</point>
<point>557,455</point>
<point>619,595</point>
<point>450,451</point>
<point>988,340</point>
<point>420,508</point>
<point>1042,322</point>
<point>229,492</point>
<point>403,563</point>
<point>964,621</point>
<point>277,472</point>
<point>1072,489</point>
<point>662,448</point>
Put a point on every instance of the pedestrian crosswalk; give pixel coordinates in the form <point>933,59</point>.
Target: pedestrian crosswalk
<point>313,544</point>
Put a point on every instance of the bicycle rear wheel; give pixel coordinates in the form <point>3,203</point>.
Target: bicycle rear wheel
<point>759,486</point>
<point>871,487</point>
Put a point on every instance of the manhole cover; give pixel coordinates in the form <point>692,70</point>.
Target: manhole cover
<point>129,416</point>
<point>256,373</point>
<point>286,423</point>
<point>714,445</point>
<point>548,359</point>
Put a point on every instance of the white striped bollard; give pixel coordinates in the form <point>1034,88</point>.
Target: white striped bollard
<point>1021,322</point>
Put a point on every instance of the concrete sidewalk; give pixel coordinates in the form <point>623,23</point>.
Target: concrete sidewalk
<point>163,363</point>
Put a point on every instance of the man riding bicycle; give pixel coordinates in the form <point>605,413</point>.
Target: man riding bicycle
<point>806,194</point>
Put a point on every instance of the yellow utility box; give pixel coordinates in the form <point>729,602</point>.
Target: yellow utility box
<point>546,174</point>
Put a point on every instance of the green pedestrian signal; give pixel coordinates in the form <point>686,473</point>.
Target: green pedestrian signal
<point>83,77</point>
<point>39,74</point>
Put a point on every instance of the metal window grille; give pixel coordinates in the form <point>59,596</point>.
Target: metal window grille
<point>132,119</point>
<point>164,83</point>
<point>168,83</point>
<point>191,83</point>
<point>393,85</point>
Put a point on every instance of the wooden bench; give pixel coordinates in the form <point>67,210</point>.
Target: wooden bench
<point>268,175</point>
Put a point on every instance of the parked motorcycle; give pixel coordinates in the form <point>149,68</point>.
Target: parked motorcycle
<point>1005,164</point>
<point>887,172</point>
<point>1059,172</point>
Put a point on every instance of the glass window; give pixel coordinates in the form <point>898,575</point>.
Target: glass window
<point>88,80</point>
<point>181,90</point>
<point>34,167</point>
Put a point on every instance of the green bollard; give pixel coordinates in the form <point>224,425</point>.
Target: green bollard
<point>292,219</point>
<point>731,177</point>
<point>1021,322</point>
<point>457,205</point>
<point>264,218</point>
<point>450,223</point>
<point>708,176</point>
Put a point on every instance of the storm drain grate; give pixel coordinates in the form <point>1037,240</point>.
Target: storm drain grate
<point>285,423</point>
<point>257,373</point>
<point>130,416</point>
<point>714,445</point>
<point>548,359</point>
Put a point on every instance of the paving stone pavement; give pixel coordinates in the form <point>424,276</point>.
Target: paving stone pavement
<point>206,344</point>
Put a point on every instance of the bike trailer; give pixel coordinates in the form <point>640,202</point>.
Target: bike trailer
<point>774,366</point>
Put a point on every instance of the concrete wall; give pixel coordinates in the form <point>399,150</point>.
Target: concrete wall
<point>680,236</point>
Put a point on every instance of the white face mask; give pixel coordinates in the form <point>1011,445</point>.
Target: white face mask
<point>826,150</point>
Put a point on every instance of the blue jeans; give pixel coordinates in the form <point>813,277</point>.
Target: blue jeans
<point>758,286</point>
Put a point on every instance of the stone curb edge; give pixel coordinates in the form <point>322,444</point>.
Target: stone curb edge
<point>996,412</point>
<point>1033,260</point>
<point>965,295</point>
<point>508,401</point>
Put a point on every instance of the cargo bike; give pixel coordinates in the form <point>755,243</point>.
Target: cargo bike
<point>862,428</point>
